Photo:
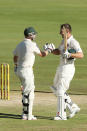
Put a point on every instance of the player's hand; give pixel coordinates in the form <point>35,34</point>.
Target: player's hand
<point>66,55</point>
<point>49,47</point>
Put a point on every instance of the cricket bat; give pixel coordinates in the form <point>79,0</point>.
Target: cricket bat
<point>65,41</point>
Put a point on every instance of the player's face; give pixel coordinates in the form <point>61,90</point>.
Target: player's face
<point>33,37</point>
<point>62,33</point>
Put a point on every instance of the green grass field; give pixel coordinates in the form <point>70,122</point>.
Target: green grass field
<point>45,16</point>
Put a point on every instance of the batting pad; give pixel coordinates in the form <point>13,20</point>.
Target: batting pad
<point>61,107</point>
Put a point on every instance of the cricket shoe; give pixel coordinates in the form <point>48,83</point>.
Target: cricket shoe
<point>24,117</point>
<point>32,118</point>
<point>59,118</point>
<point>54,90</point>
<point>75,109</point>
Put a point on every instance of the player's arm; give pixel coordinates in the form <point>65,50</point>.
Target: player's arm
<point>79,52</point>
<point>77,55</point>
<point>67,55</point>
<point>15,59</point>
<point>43,53</point>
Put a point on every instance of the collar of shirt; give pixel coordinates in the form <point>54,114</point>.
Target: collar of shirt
<point>68,40</point>
<point>27,39</point>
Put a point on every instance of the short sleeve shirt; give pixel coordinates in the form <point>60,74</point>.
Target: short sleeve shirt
<point>26,53</point>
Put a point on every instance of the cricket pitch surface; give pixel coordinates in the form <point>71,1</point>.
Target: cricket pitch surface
<point>41,98</point>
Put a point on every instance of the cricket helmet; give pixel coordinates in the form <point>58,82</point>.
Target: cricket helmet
<point>29,31</point>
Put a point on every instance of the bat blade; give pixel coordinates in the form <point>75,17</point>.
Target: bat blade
<point>65,38</point>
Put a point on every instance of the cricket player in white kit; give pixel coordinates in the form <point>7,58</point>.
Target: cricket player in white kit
<point>65,73</point>
<point>24,58</point>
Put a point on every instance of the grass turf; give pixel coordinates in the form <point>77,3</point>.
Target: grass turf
<point>46,16</point>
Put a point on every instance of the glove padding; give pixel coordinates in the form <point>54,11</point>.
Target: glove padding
<point>49,47</point>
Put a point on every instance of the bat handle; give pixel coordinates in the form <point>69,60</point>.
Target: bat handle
<point>65,60</point>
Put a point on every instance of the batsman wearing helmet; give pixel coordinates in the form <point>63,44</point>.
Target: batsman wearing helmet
<point>24,58</point>
<point>69,50</point>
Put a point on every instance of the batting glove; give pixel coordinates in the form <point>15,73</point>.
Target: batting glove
<point>49,47</point>
<point>45,46</point>
<point>52,46</point>
<point>66,55</point>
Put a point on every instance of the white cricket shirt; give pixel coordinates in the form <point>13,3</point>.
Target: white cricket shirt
<point>71,44</point>
<point>26,53</point>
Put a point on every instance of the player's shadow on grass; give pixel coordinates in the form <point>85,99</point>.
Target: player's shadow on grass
<point>12,116</point>
<point>44,117</point>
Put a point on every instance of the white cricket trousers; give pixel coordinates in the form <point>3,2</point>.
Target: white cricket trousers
<point>63,77</point>
<point>26,77</point>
